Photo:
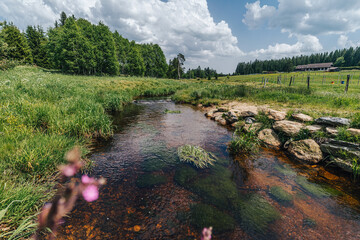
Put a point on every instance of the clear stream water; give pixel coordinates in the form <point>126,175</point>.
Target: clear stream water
<point>151,195</point>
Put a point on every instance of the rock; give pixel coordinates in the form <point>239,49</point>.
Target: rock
<point>252,127</point>
<point>354,132</point>
<point>211,113</point>
<point>245,114</point>
<point>313,128</point>
<point>250,120</point>
<point>270,138</point>
<point>222,109</point>
<point>290,128</point>
<point>276,115</point>
<point>302,117</point>
<point>333,121</point>
<point>222,121</point>
<point>332,131</point>
<point>231,117</point>
<point>216,116</point>
<point>342,153</point>
<point>239,124</point>
<point>307,151</point>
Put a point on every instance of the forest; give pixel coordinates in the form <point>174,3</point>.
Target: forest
<point>341,58</point>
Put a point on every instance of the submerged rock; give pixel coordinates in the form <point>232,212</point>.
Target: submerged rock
<point>333,121</point>
<point>270,138</point>
<point>205,215</point>
<point>290,128</point>
<point>276,115</point>
<point>307,151</point>
<point>302,117</point>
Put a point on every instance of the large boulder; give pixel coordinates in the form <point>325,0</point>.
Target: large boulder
<point>333,121</point>
<point>314,128</point>
<point>342,153</point>
<point>302,117</point>
<point>307,151</point>
<point>270,138</point>
<point>276,115</point>
<point>290,128</point>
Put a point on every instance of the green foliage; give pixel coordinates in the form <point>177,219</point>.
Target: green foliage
<point>184,174</point>
<point>345,135</point>
<point>196,156</point>
<point>244,142</point>
<point>264,119</point>
<point>315,189</point>
<point>18,48</point>
<point>37,43</point>
<point>356,167</point>
<point>302,135</point>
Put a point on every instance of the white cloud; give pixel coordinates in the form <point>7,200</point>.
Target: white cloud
<point>305,17</point>
<point>184,26</point>
<point>256,15</point>
<point>305,44</point>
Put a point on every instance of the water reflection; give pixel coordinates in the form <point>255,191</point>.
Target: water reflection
<point>151,195</point>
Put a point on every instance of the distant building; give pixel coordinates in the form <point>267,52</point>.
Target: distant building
<point>315,67</point>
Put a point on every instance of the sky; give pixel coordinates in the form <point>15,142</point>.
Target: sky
<point>210,33</point>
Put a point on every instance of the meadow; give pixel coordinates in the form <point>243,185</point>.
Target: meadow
<point>43,114</point>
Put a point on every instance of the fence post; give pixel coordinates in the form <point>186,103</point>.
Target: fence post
<point>347,83</point>
<point>265,82</point>
<point>308,82</point>
<point>291,79</point>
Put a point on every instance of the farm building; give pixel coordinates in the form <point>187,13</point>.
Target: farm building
<point>315,67</point>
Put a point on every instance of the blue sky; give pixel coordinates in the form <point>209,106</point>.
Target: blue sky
<point>214,33</point>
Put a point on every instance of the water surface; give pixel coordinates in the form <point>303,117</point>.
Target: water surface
<point>151,195</point>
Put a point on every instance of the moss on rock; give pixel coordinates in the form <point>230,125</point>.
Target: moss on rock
<point>203,215</point>
<point>150,180</point>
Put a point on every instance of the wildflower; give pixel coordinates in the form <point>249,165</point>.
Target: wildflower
<point>91,193</point>
<point>206,233</point>
<point>87,180</point>
<point>68,170</point>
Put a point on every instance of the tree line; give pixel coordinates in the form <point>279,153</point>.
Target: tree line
<point>341,58</point>
<point>77,46</point>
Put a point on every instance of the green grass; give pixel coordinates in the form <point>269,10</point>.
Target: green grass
<point>244,142</point>
<point>196,155</point>
<point>45,114</point>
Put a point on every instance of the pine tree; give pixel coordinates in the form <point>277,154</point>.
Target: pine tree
<point>37,42</point>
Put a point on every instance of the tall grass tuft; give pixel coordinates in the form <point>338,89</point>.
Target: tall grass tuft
<point>196,156</point>
<point>244,142</point>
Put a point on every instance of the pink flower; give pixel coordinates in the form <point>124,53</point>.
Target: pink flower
<point>206,233</point>
<point>68,170</point>
<point>87,180</point>
<point>91,193</point>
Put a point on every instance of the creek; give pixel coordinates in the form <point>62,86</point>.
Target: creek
<point>150,194</point>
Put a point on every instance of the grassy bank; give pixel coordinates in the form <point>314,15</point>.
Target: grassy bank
<point>43,115</point>
<point>322,98</point>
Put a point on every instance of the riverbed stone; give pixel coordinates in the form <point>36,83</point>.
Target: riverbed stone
<point>276,115</point>
<point>210,113</point>
<point>270,138</point>
<point>302,117</point>
<point>354,132</point>
<point>342,153</point>
<point>231,117</point>
<point>252,127</point>
<point>333,121</point>
<point>307,151</point>
<point>250,120</point>
<point>332,131</point>
<point>217,116</point>
<point>290,128</point>
<point>313,128</point>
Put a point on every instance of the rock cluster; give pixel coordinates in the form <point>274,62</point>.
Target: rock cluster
<point>308,151</point>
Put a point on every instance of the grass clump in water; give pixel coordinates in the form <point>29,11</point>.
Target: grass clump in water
<point>172,111</point>
<point>244,142</point>
<point>196,156</point>
<point>184,174</point>
<point>316,190</point>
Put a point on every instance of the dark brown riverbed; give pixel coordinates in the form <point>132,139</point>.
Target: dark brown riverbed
<point>151,195</point>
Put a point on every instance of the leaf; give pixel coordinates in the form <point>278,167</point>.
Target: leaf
<point>3,212</point>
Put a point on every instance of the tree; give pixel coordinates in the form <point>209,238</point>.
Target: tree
<point>180,63</point>
<point>4,47</point>
<point>18,46</point>
<point>37,43</point>
<point>62,20</point>
<point>339,62</point>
